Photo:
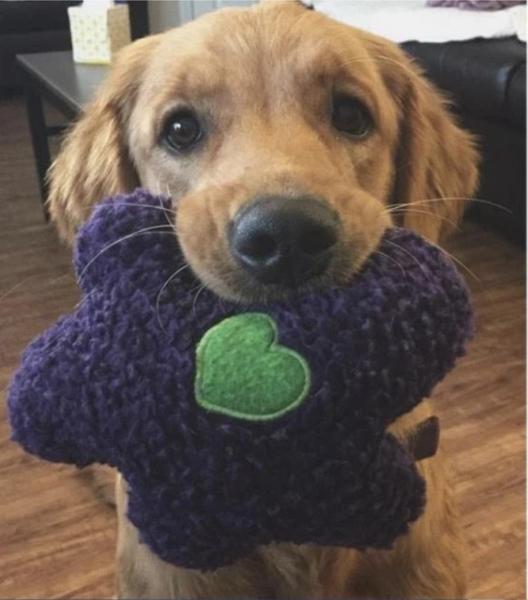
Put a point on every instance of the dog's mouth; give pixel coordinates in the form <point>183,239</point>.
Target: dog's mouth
<point>237,282</point>
<point>245,289</point>
<point>276,248</point>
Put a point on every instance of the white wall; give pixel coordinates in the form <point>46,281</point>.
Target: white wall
<point>165,14</point>
<point>200,7</point>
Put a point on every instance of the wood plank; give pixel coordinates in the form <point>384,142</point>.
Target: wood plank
<point>57,540</point>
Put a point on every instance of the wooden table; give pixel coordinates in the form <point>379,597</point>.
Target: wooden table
<point>66,85</point>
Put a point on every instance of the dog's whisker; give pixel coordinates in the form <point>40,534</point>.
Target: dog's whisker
<point>20,284</point>
<point>17,286</point>
<point>464,199</point>
<point>169,195</point>
<point>406,209</point>
<point>85,297</point>
<point>411,255</point>
<point>141,205</point>
<point>451,199</point>
<point>200,290</point>
<point>59,340</point>
<point>220,305</point>
<point>454,259</point>
<point>385,255</point>
<point>163,288</point>
<point>158,183</point>
<point>119,241</point>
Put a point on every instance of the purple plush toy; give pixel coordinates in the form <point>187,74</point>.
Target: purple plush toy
<point>237,426</point>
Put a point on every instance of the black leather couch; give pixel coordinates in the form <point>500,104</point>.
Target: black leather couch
<point>485,78</point>
<point>487,81</point>
<point>42,26</point>
<point>30,26</point>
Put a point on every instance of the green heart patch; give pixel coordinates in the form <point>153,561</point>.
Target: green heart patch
<point>243,372</point>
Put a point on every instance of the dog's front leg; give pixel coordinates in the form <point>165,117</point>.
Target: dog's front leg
<point>429,562</point>
<point>280,571</point>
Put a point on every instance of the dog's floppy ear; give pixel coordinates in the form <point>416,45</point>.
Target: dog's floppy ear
<point>94,162</point>
<point>436,161</point>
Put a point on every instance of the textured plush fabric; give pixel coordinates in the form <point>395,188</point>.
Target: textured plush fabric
<point>114,382</point>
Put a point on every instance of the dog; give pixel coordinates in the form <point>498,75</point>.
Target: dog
<point>289,142</point>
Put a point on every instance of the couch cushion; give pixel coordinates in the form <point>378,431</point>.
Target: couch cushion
<point>26,16</point>
<point>484,77</point>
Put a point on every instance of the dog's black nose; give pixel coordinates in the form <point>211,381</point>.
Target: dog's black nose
<point>285,241</point>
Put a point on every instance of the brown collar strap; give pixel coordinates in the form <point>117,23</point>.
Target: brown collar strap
<point>422,441</point>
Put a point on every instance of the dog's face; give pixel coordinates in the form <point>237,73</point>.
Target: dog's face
<point>282,137</point>
<point>277,146</point>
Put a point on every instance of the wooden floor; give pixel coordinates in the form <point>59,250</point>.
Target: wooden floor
<point>57,540</point>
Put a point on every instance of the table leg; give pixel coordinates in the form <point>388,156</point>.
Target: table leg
<point>37,128</point>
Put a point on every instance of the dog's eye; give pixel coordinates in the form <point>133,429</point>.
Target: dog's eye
<point>182,130</point>
<point>350,116</point>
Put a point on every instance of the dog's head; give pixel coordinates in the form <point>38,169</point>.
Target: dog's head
<point>287,140</point>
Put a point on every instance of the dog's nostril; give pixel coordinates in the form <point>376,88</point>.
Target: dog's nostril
<point>284,241</point>
<point>317,240</point>
<point>258,247</point>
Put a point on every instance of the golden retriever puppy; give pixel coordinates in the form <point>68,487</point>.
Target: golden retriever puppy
<point>288,142</point>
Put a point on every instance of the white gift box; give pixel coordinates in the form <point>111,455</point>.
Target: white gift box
<point>98,30</point>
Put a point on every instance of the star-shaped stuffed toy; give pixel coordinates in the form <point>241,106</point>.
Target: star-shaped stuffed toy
<point>237,426</point>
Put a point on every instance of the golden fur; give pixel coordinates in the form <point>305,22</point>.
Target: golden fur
<point>263,76</point>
